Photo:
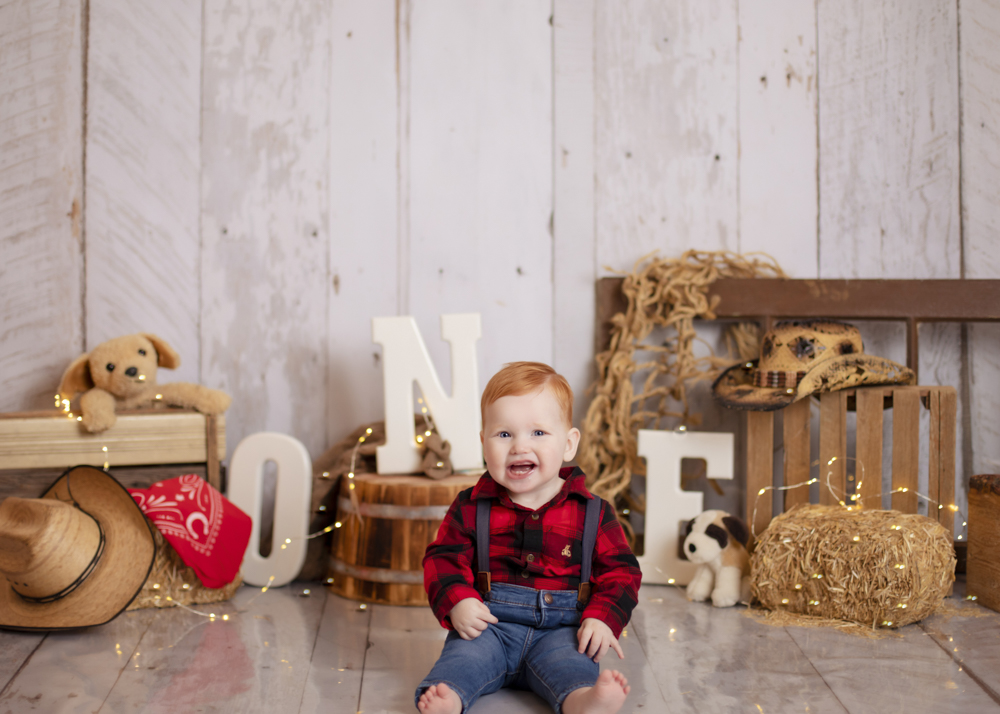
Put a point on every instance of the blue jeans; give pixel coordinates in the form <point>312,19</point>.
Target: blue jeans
<point>534,646</point>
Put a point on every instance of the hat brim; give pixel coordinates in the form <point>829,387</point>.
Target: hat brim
<point>735,388</point>
<point>119,575</point>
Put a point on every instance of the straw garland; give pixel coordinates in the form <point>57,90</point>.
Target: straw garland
<point>662,293</point>
<point>872,567</point>
<point>170,578</point>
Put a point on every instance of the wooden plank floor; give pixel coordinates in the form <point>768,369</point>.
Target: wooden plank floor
<point>284,651</point>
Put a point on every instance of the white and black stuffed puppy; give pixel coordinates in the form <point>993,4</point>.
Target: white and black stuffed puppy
<point>717,541</point>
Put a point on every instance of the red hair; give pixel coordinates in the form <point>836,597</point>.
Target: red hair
<point>517,378</point>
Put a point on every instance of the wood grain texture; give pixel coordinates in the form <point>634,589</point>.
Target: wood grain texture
<point>984,542</point>
<point>41,198</point>
<point>666,128</point>
<point>979,28</point>
<point>480,176</point>
<point>388,547</point>
<point>970,640</point>
<point>56,441</point>
<point>142,174</point>
<point>338,659</point>
<point>15,649</point>
<point>832,447</point>
<point>574,267</point>
<point>400,640</point>
<point>905,448</point>
<point>760,469</point>
<point>869,675</point>
<point>868,453</point>
<point>264,214</point>
<point>888,139</point>
<point>717,659</point>
<point>364,205</point>
<point>941,477</point>
<point>889,160</point>
<point>778,197</point>
<point>795,428</point>
<point>257,661</point>
<point>89,667</point>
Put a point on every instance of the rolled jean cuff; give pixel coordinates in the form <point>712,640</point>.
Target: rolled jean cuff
<point>570,690</point>
<point>425,685</point>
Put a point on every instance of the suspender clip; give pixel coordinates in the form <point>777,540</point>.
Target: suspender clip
<point>483,583</point>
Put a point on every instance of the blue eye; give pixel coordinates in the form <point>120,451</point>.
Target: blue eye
<point>538,432</point>
<point>503,434</point>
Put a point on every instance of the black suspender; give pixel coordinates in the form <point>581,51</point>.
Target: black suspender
<point>590,523</point>
<point>589,543</point>
<point>483,546</point>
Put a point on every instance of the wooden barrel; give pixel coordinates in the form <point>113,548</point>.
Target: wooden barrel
<point>379,548</point>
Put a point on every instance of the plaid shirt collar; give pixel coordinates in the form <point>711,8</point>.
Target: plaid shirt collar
<point>573,476</point>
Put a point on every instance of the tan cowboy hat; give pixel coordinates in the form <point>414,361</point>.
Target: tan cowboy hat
<point>76,557</point>
<point>802,358</point>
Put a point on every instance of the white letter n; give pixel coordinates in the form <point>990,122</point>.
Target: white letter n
<point>404,361</point>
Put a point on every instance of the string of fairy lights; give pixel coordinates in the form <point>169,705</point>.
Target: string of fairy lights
<point>855,498</point>
<point>856,504</point>
<point>167,601</point>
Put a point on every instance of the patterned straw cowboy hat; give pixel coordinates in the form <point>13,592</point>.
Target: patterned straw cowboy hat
<point>76,557</point>
<point>802,358</point>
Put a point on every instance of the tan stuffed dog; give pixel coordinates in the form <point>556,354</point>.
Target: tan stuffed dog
<point>121,374</point>
<point>717,542</point>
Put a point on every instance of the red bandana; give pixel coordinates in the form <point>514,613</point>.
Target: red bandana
<point>208,532</point>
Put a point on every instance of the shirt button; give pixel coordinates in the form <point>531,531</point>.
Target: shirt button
<point>531,558</point>
<point>534,516</point>
<point>547,597</point>
<point>525,574</point>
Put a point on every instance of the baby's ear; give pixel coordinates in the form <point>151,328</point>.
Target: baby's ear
<point>166,357</point>
<point>76,378</point>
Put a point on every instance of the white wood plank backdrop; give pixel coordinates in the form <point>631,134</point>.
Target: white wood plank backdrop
<point>256,180</point>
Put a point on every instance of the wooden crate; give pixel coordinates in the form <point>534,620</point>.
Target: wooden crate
<point>40,442</point>
<point>983,566</point>
<point>869,402</point>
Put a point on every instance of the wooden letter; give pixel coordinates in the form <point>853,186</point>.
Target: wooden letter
<point>291,504</point>
<point>405,360</point>
<point>667,506</point>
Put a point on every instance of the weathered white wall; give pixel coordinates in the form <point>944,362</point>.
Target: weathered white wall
<point>255,180</point>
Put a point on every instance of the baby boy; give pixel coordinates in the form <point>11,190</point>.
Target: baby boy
<point>530,572</point>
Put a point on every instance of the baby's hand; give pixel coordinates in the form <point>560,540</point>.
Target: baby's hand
<point>595,639</point>
<point>470,617</point>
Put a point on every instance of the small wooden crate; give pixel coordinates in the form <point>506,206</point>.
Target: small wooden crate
<point>983,568</point>
<point>33,445</point>
<point>869,402</point>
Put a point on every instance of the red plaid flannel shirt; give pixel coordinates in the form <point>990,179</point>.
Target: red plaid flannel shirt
<point>538,549</point>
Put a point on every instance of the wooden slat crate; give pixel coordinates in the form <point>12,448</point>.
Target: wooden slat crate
<point>869,403</point>
<point>48,439</point>
<point>984,540</point>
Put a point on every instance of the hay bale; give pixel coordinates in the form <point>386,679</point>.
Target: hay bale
<point>170,577</point>
<point>876,568</point>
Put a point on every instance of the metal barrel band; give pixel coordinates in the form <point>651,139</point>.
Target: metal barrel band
<point>377,575</point>
<point>390,511</point>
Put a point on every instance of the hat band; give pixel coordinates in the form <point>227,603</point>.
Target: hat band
<point>79,581</point>
<point>776,379</point>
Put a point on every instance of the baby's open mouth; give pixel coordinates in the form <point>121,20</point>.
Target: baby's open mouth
<point>521,468</point>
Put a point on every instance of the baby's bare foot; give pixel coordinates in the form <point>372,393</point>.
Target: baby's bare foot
<point>440,699</point>
<point>605,697</point>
